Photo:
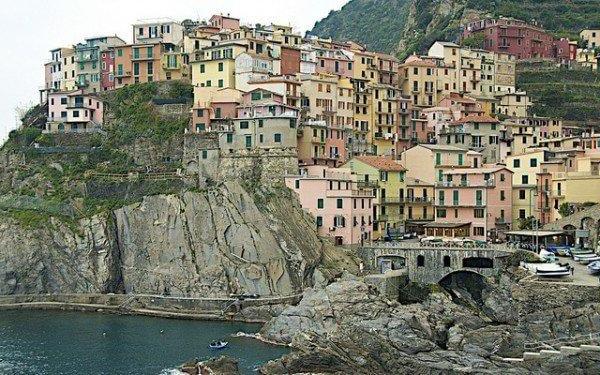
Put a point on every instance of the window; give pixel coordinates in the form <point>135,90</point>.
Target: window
<point>438,158</point>
<point>440,213</point>
<point>420,261</point>
<point>204,154</point>
<point>220,83</point>
<point>229,138</point>
<point>319,221</point>
<point>136,53</point>
<point>447,261</point>
<point>383,176</point>
<point>478,231</point>
<point>243,124</point>
<point>525,179</point>
<point>208,83</point>
<point>460,159</point>
<point>202,68</point>
<point>502,195</point>
<point>75,113</point>
<point>261,122</point>
<point>217,112</point>
<point>521,214</point>
<point>521,194</point>
<point>220,67</point>
<point>120,52</point>
<point>277,138</point>
<point>478,213</point>
<point>533,163</point>
<point>516,163</point>
<point>200,127</point>
<point>320,203</point>
<point>297,184</point>
<point>339,203</point>
<point>149,51</point>
<point>136,69</point>
<point>150,67</point>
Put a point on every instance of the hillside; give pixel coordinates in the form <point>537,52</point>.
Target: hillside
<point>117,211</point>
<point>406,26</point>
<point>569,94</point>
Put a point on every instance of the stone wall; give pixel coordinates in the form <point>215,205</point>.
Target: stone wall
<point>433,269</point>
<point>588,218</point>
<point>161,156</point>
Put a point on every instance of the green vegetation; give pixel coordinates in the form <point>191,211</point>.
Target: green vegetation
<point>473,41</point>
<point>77,176</point>
<point>136,116</point>
<point>568,94</point>
<point>407,26</point>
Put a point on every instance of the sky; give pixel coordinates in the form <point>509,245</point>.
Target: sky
<point>36,26</point>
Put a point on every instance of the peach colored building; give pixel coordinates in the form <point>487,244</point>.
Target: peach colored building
<point>472,203</point>
<point>74,111</point>
<point>341,209</point>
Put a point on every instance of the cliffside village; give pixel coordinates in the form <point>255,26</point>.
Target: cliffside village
<point>442,144</point>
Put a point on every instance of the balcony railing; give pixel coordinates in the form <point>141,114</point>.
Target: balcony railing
<point>450,184</point>
<point>388,200</point>
<point>424,200</point>
<point>367,184</point>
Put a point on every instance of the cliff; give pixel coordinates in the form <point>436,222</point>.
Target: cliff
<point>197,244</point>
<point>406,26</point>
<point>136,209</point>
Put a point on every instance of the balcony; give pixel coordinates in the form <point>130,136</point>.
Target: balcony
<point>86,58</point>
<point>123,73</point>
<point>362,184</point>
<point>390,200</point>
<point>141,57</point>
<point>464,183</point>
<point>417,200</point>
<point>378,135</point>
<point>318,140</point>
<point>82,83</point>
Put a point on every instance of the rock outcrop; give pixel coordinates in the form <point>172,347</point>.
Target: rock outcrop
<point>204,244</point>
<point>348,328</point>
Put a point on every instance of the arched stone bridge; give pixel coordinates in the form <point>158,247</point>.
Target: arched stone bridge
<point>429,264</point>
<point>586,222</point>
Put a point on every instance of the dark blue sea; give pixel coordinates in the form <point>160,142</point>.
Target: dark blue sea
<point>56,342</point>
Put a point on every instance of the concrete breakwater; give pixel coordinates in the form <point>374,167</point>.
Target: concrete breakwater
<point>255,310</point>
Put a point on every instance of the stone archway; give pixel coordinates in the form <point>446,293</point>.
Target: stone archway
<point>570,233</point>
<point>465,287</point>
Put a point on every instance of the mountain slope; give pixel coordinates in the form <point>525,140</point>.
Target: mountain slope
<point>406,26</point>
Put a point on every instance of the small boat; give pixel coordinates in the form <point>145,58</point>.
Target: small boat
<point>594,267</point>
<point>218,344</point>
<point>584,257</point>
<point>579,251</point>
<point>548,256</point>
<point>589,259</point>
<point>552,270</point>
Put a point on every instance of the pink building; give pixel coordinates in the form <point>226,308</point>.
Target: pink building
<point>341,210</point>
<point>335,61</point>
<point>472,203</point>
<point>224,22</point>
<point>74,111</point>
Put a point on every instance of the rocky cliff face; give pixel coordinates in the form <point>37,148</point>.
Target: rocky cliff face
<point>348,328</point>
<point>194,244</point>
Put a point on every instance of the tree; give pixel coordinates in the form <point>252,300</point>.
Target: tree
<point>474,41</point>
<point>528,223</point>
<point>565,209</point>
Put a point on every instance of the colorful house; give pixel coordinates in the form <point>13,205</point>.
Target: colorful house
<point>472,203</point>
<point>74,112</point>
<point>342,208</point>
<point>386,177</point>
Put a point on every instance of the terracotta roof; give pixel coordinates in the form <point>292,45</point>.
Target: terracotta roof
<point>415,60</point>
<point>476,118</point>
<point>382,163</point>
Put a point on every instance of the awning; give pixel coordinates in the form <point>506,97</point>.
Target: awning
<point>535,233</point>
<point>446,225</point>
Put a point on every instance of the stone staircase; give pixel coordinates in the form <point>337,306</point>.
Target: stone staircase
<point>547,353</point>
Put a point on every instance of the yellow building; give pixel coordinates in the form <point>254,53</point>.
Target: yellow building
<point>386,177</point>
<point>591,37</point>
<point>385,109</point>
<point>215,68</point>
<point>70,69</point>
<point>514,104</point>
<point>525,168</point>
<point>418,78</point>
<point>587,58</point>
<point>574,187</point>
<point>417,204</point>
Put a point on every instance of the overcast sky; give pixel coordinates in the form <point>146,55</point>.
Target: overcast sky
<point>33,27</point>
